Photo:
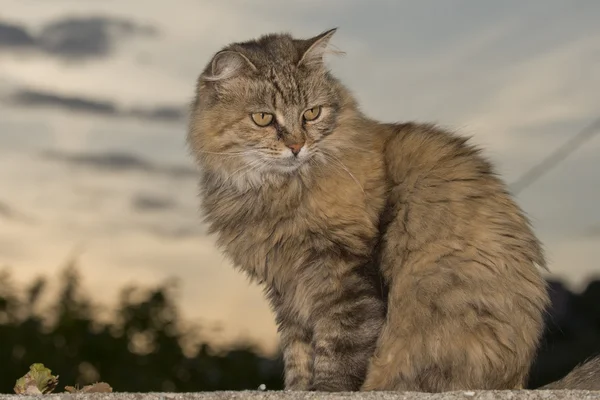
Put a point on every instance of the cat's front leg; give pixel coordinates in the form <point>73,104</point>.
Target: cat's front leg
<point>297,355</point>
<point>346,328</point>
<point>295,340</point>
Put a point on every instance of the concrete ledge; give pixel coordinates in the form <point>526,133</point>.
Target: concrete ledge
<point>276,395</point>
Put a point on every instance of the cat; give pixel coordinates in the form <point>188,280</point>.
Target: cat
<point>392,254</point>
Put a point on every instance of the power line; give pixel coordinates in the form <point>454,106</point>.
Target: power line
<point>554,158</point>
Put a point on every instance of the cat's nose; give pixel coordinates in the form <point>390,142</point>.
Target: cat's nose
<point>295,148</point>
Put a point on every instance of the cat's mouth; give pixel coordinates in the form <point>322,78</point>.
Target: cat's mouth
<point>290,164</point>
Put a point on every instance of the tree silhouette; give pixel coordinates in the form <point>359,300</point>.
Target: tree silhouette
<point>147,345</point>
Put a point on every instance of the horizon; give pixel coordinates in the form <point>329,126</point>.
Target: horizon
<point>93,161</point>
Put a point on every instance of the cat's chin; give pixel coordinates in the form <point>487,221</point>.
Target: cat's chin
<point>288,167</point>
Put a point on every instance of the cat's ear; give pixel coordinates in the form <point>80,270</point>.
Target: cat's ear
<point>227,64</point>
<point>314,48</point>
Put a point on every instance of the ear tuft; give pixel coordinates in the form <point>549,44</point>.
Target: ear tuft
<point>316,48</point>
<point>227,64</point>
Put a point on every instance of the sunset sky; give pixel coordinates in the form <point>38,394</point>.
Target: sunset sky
<point>93,98</point>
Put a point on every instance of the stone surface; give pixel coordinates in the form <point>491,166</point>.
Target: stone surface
<point>275,395</point>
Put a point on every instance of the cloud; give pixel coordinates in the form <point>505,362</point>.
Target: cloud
<point>162,113</point>
<point>119,162</point>
<point>14,36</point>
<point>149,202</point>
<point>6,211</point>
<point>80,38</point>
<point>32,98</point>
<point>178,232</point>
<point>74,38</point>
<point>36,98</point>
<point>9,213</point>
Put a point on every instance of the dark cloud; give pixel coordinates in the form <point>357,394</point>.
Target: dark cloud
<point>170,230</point>
<point>164,113</point>
<point>74,38</point>
<point>31,98</point>
<point>34,98</point>
<point>14,36</point>
<point>119,162</point>
<point>104,161</point>
<point>149,202</point>
<point>78,38</point>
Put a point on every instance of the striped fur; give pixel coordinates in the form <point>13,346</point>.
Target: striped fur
<point>393,256</point>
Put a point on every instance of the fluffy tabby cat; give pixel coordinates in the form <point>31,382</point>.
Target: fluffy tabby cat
<point>393,256</point>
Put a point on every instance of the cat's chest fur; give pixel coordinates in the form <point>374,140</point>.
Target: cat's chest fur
<point>283,236</point>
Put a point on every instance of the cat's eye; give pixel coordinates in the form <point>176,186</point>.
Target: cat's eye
<point>262,119</point>
<point>312,113</point>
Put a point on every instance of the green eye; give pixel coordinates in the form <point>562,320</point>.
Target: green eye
<point>312,113</point>
<point>262,119</point>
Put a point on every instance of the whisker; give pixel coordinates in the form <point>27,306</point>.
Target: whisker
<point>231,153</point>
<point>341,164</point>
<point>313,161</point>
<point>251,166</point>
<point>252,169</point>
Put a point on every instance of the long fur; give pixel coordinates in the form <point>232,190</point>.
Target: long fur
<point>393,256</point>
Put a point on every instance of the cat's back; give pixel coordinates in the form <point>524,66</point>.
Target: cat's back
<point>460,257</point>
<point>415,152</point>
<point>447,190</point>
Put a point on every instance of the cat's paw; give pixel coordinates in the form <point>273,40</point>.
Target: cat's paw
<point>299,386</point>
<point>333,386</point>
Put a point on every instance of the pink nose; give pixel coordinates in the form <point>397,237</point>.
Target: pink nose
<point>295,148</point>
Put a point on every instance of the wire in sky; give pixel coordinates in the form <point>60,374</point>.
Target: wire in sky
<point>554,158</point>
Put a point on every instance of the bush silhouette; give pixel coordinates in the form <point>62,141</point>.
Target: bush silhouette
<point>142,348</point>
<point>147,346</point>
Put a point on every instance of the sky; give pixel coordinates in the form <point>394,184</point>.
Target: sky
<point>93,100</point>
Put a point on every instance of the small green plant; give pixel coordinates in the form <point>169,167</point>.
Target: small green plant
<point>39,380</point>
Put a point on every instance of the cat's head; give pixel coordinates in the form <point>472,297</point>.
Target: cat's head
<point>267,107</point>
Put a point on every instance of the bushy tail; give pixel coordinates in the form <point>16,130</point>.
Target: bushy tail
<point>585,376</point>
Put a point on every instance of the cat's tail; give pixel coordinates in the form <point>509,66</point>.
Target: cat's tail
<point>585,376</point>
